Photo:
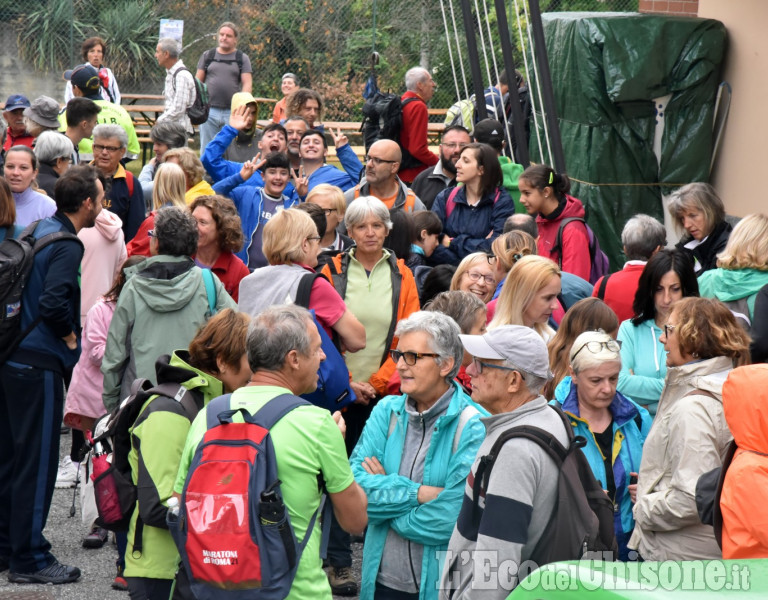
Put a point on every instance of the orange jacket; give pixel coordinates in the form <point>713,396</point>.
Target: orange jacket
<point>404,296</point>
<point>745,489</point>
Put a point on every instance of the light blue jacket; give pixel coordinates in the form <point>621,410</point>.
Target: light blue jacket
<point>644,355</point>
<point>392,499</point>
<point>628,440</point>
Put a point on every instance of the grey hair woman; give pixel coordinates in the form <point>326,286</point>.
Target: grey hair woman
<point>54,154</point>
<point>699,217</point>
<point>427,438</point>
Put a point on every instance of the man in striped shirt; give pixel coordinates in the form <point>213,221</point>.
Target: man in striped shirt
<point>490,551</point>
<point>179,89</point>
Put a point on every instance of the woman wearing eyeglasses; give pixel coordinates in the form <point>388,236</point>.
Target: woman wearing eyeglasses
<point>667,277</point>
<point>476,275</point>
<point>413,459</point>
<point>613,425</point>
<point>472,214</point>
<point>690,436</point>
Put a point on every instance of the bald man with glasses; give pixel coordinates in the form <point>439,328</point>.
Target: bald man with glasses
<point>381,180</point>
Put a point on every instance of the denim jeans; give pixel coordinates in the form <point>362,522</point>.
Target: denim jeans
<point>217,118</point>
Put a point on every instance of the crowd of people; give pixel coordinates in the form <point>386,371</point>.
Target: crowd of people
<point>454,284</point>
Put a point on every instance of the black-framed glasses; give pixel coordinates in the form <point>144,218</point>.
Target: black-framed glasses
<point>475,276</point>
<point>377,161</point>
<point>668,329</point>
<point>594,347</point>
<point>328,211</point>
<point>410,358</point>
<point>100,148</point>
<point>490,257</point>
<point>314,238</point>
<point>480,365</point>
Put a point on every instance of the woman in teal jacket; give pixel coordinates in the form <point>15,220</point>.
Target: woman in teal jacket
<point>216,363</point>
<point>613,425</point>
<point>413,460</point>
<point>666,278</point>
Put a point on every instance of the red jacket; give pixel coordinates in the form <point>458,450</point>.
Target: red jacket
<point>575,240</point>
<point>620,290</point>
<point>413,136</point>
<point>230,270</point>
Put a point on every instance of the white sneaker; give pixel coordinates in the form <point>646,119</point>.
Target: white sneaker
<point>68,473</point>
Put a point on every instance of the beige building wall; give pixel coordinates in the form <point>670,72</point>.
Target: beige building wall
<point>742,161</point>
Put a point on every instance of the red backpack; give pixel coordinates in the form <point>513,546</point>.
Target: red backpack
<point>233,531</point>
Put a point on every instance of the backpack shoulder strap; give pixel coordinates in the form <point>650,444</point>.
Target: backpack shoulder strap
<point>601,289</point>
<point>408,101</point>
<point>215,408</point>
<point>450,204</point>
<point>717,514</point>
<point>180,394</point>
<point>558,247</point>
<point>208,55</point>
<point>305,289</point>
<point>277,408</point>
<point>210,290</point>
<point>239,60</point>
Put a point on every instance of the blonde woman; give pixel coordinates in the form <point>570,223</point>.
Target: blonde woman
<point>291,246</point>
<point>169,188</point>
<point>508,249</point>
<point>476,275</point>
<point>529,296</point>
<point>193,170</point>
<point>331,199</point>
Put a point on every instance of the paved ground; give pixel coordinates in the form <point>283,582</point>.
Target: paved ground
<point>97,566</point>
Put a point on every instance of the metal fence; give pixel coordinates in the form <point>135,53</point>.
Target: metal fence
<point>327,43</point>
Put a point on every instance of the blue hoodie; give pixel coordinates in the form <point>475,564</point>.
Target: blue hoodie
<point>628,440</point>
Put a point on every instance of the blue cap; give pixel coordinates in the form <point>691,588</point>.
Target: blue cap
<point>16,101</point>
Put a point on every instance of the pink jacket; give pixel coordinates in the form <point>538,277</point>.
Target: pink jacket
<point>104,255</point>
<point>84,393</point>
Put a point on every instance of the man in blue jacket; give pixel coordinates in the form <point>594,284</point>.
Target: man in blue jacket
<point>31,384</point>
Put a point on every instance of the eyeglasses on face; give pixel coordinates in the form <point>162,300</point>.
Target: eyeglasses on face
<point>410,358</point>
<point>460,145</point>
<point>314,238</point>
<point>328,211</point>
<point>480,365</point>
<point>475,276</point>
<point>377,161</point>
<point>668,329</point>
<point>594,347</point>
<point>100,148</point>
<point>490,257</point>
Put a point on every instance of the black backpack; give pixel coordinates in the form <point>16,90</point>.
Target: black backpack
<point>383,120</point>
<point>582,520</point>
<point>116,494</point>
<point>201,107</point>
<point>17,256</point>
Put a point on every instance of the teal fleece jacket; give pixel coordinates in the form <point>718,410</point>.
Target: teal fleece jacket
<point>644,355</point>
<point>392,498</point>
<point>733,284</point>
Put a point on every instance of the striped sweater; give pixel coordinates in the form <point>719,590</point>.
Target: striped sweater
<point>483,558</point>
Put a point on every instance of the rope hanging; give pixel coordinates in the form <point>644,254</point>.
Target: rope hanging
<point>450,52</point>
<point>538,82</point>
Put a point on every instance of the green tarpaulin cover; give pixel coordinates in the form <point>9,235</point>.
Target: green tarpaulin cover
<point>606,70</point>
